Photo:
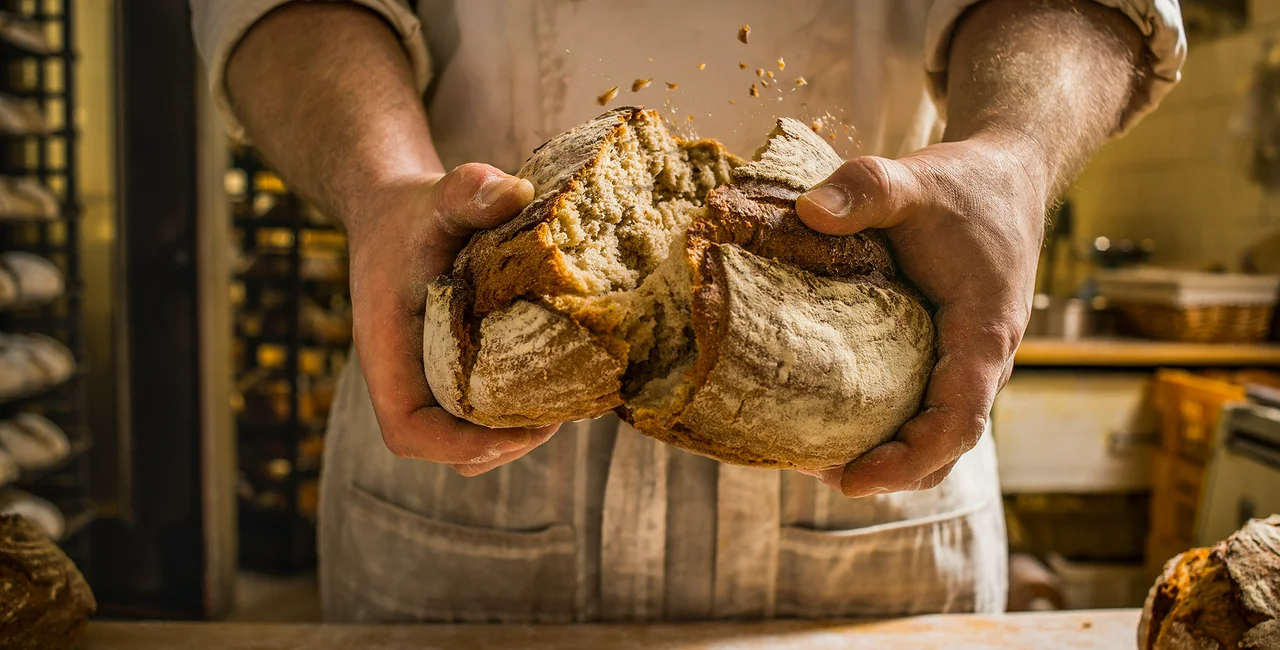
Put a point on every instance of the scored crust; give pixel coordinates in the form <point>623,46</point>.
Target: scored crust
<point>704,310</point>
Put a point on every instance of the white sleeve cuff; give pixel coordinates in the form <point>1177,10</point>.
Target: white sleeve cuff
<point>1159,20</point>
<point>219,25</point>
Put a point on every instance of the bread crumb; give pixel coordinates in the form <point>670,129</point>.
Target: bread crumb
<point>769,74</point>
<point>743,33</point>
<point>640,84</point>
<point>702,66</point>
<point>801,82</point>
<point>831,135</point>
<point>742,66</point>
<point>650,59</point>
<point>760,72</point>
<point>607,96</point>
<point>764,83</point>
<point>671,86</point>
<point>1086,625</point>
<point>690,118</point>
<point>782,65</point>
<point>733,101</point>
<point>755,92</point>
<point>816,126</point>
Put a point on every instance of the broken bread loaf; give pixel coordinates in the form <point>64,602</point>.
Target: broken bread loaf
<point>672,282</point>
<point>1221,597</point>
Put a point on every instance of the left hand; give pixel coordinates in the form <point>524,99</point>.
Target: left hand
<point>966,221</point>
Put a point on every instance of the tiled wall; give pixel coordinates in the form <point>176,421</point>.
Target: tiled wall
<point>1180,177</point>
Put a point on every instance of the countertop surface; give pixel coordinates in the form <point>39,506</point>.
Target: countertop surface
<point>1142,353</point>
<point>1116,628</point>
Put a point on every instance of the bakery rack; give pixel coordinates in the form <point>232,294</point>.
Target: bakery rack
<point>40,75</point>
<point>292,332</point>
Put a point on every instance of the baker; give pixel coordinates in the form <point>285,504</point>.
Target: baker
<point>362,106</point>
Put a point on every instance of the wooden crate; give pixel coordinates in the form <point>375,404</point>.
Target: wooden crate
<point>1190,408</point>
<point>1175,499</point>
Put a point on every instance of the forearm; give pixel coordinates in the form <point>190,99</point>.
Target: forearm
<point>326,93</point>
<point>1051,78</point>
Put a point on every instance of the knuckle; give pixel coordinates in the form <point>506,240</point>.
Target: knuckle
<point>869,175</point>
<point>397,443</point>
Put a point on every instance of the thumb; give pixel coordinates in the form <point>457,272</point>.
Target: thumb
<point>475,196</point>
<point>866,192</point>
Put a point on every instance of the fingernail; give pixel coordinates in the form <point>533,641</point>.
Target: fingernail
<point>831,198</point>
<point>494,188</point>
<point>515,444</point>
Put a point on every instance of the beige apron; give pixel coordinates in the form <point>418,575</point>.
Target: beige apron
<point>602,523</point>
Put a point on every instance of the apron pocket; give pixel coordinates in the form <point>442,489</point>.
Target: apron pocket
<point>399,566</point>
<point>912,567</point>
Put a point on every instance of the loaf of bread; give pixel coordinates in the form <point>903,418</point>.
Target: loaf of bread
<point>672,282</point>
<point>45,602</point>
<point>1222,597</point>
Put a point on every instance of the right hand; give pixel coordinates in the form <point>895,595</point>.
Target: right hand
<point>406,235</point>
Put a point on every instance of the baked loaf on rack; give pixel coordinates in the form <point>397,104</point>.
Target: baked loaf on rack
<point>673,282</point>
<point>1223,597</point>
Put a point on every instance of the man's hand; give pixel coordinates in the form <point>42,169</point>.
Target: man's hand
<point>1034,88</point>
<point>407,234</point>
<point>327,93</point>
<point>965,220</point>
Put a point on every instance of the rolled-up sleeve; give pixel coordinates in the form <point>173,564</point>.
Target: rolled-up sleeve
<point>1159,20</point>
<point>219,25</point>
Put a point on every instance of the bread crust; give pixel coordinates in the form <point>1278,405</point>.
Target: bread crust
<point>1222,597</point>
<point>805,351</point>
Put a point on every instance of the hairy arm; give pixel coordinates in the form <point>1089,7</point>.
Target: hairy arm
<point>1059,74</point>
<point>327,94</point>
<point>1034,87</point>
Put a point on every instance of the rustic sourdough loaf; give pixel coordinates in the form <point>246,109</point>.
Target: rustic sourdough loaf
<point>673,282</point>
<point>1223,597</point>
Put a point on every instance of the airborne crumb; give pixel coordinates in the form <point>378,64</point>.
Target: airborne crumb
<point>760,72</point>
<point>671,86</point>
<point>733,101</point>
<point>1086,625</point>
<point>816,126</point>
<point>755,92</point>
<point>769,74</point>
<point>782,65</point>
<point>743,33</point>
<point>742,66</point>
<point>640,84</point>
<point>764,83</point>
<point>801,82</point>
<point>831,135</point>
<point>607,96</point>
<point>690,118</point>
<point>702,66</point>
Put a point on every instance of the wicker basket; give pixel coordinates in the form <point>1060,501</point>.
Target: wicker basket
<point>1197,323</point>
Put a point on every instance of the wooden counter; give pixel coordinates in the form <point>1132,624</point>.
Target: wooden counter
<point>1143,353</point>
<point>1044,631</point>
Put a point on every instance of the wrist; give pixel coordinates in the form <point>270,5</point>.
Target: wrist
<point>1017,152</point>
<point>364,207</point>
